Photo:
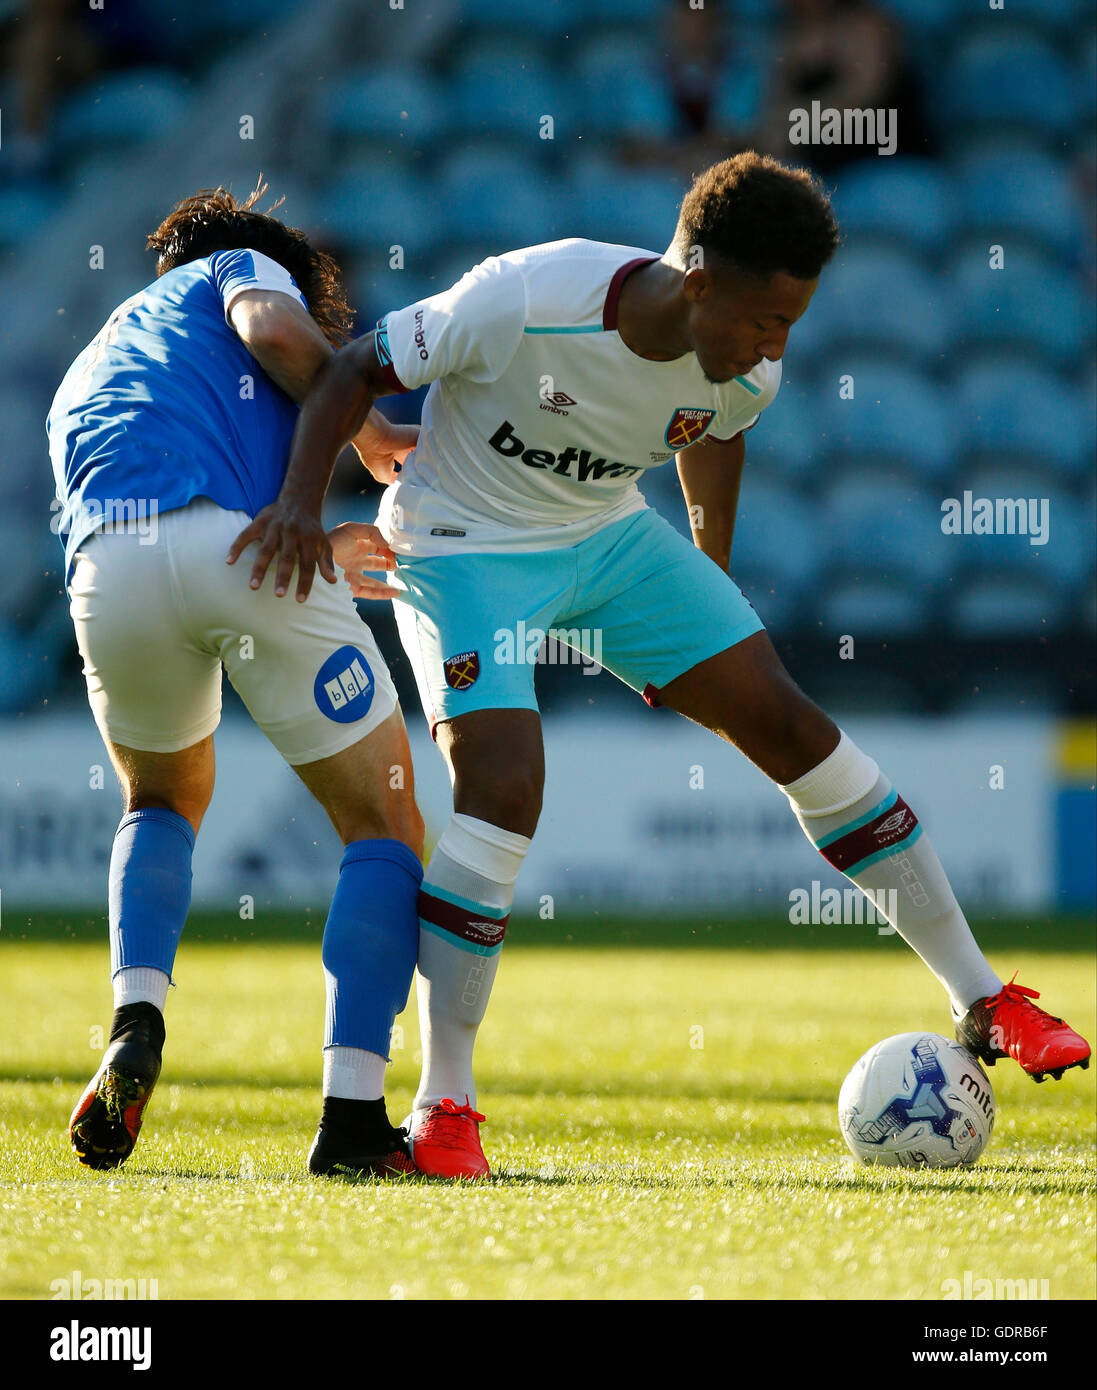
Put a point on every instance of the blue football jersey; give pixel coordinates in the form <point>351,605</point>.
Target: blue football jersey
<point>166,404</point>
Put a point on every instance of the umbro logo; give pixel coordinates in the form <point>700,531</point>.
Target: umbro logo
<point>894,823</point>
<point>556,401</point>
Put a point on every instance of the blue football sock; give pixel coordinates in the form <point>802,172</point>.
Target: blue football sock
<point>371,941</point>
<point>149,888</point>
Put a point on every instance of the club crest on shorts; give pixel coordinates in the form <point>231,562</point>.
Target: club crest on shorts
<point>461,671</point>
<point>687,425</point>
<point>343,689</point>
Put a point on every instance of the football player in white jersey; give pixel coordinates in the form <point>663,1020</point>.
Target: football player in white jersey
<point>559,374</point>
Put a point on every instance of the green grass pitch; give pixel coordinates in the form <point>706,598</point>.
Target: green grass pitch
<point>661,1123</point>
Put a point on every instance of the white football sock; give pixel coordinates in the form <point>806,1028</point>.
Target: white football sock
<point>468,888</point>
<point>848,810</point>
<point>352,1073</point>
<point>141,984</point>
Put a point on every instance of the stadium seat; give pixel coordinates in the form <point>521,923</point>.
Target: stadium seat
<point>402,103</point>
<point>1032,303</point>
<point>874,608</point>
<point>23,210</point>
<point>791,439</point>
<point>622,88</point>
<point>505,88</point>
<point>373,205</point>
<point>500,198</point>
<point>625,206</point>
<point>922,17</point>
<point>548,19</point>
<point>776,533</point>
<point>1008,406</point>
<point>897,415</point>
<point>906,200</point>
<point>123,108</point>
<point>1031,194</point>
<point>1067,553</point>
<point>880,298</point>
<point>1007,605</point>
<point>1009,78</point>
<point>887,527</point>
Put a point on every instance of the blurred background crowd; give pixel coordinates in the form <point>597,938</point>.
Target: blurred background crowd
<point>422,127</point>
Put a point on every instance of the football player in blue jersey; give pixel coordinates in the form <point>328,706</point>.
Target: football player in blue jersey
<point>169,432</point>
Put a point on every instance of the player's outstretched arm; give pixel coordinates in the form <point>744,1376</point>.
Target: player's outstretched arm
<point>710,472</point>
<point>291,528</point>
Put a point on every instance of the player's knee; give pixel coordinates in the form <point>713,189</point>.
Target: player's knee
<point>191,807</point>
<point>508,797</point>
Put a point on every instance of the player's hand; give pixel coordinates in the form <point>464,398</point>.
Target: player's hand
<point>296,536</point>
<point>358,547</point>
<point>383,446</point>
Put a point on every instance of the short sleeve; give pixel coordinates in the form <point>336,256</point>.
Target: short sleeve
<point>236,271</point>
<point>744,407</point>
<point>473,329</point>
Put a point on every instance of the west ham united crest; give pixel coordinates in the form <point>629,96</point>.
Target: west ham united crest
<point>687,425</point>
<point>461,671</point>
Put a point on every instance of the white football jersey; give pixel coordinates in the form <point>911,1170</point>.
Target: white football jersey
<point>539,419</point>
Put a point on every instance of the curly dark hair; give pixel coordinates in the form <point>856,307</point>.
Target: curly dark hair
<point>212,220</point>
<point>760,216</point>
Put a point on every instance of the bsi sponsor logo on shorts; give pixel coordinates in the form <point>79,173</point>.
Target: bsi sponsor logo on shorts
<point>558,646</point>
<point>134,515</point>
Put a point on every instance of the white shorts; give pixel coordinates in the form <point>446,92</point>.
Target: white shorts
<point>156,621</point>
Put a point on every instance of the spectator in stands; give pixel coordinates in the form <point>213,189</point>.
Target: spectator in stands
<point>845,54</point>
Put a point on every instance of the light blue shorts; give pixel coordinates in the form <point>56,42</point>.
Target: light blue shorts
<point>635,598</point>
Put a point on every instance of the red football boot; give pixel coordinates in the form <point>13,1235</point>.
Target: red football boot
<point>107,1120</point>
<point>1006,1024</point>
<point>446,1142</point>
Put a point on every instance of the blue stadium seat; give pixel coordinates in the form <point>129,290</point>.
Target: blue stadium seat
<point>548,19</point>
<point>924,16</point>
<point>874,608</point>
<point>403,103</point>
<point>1031,193</point>
<point>775,535</point>
<point>1007,79</point>
<point>791,438</point>
<point>506,87</point>
<point>1063,559</point>
<point>621,88</point>
<point>1005,605</point>
<point>625,206</point>
<point>909,200</point>
<point>23,210</point>
<point>645,14</point>
<point>1032,303</point>
<point>897,415</point>
<point>123,108</point>
<point>882,298</point>
<point>500,198</point>
<point>1006,406</point>
<point>886,527</point>
<point>374,204</point>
